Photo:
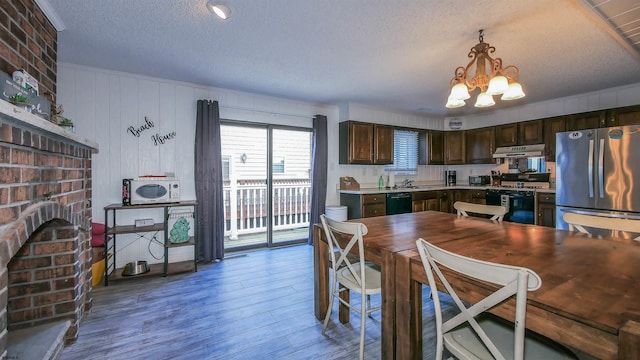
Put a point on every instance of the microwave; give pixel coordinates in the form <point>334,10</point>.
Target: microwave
<point>479,180</point>
<point>150,191</point>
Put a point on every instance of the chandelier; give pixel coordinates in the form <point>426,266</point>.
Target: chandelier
<point>499,80</point>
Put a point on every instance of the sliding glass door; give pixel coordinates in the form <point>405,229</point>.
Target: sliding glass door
<point>266,184</point>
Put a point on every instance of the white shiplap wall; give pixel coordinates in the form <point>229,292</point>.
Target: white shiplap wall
<point>103,104</point>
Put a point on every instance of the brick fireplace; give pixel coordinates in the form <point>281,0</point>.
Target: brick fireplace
<point>45,224</point>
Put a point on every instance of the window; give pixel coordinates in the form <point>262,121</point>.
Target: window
<point>278,165</point>
<point>226,167</point>
<point>405,153</point>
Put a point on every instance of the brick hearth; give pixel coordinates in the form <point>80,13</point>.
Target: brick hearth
<point>45,224</point>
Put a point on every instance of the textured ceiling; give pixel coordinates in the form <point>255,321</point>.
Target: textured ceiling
<point>398,54</point>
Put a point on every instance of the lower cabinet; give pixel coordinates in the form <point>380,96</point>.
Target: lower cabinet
<point>546,209</point>
<point>425,200</point>
<point>362,206</point>
<point>478,196</point>
<point>445,200</point>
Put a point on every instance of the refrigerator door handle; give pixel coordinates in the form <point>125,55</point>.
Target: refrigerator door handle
<point>590,168</point>
<point>601,168</point>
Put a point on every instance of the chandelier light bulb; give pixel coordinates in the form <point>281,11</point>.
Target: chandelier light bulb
<point>514,92</point>
<point>484,100</point>
<point>460,91</point>
<point>498,85</point>
<point>454,103</point>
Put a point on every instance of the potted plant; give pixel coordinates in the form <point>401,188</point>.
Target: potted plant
<point>20,101</point>
<point>67,124</point>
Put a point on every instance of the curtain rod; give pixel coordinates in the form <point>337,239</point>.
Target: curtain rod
<point>265,112</point>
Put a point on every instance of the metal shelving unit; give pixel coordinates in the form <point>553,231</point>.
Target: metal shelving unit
<point>112,230</point>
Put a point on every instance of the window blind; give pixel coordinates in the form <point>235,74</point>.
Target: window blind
<point>405,152</point>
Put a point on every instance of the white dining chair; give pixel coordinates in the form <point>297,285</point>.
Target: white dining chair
<point>348,275</point>
<point>473,334</point>
<point>581,222</point>
<point>496,211</point>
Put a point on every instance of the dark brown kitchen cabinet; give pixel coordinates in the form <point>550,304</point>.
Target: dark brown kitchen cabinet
<point>431,147</point>
<point>445,200</point>
<point>590,120</point>
<point>479,145</point>
<point>552,126</point>
<point>546,209</point>
<point>454,147</point>
<point>478,196</point>
<point>365,143</point>
<point>459,195</point>
<point>624,116</point>
<point>425,200</point>
<point>530,132</point>
<point>362,206</point>
<point>506,135</point>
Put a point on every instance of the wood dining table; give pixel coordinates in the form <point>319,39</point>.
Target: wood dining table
<point>589,298</point>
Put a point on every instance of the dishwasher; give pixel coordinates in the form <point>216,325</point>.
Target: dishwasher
<point>398,203</point>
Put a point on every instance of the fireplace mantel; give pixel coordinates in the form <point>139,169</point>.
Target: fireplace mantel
<point>15,115</point>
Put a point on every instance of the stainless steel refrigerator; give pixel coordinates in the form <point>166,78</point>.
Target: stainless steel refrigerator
<point>598,172</point>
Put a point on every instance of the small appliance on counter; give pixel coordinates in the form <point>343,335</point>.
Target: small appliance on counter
<point>150,190</point>
<point>480,180</point>
<point>450,177</point>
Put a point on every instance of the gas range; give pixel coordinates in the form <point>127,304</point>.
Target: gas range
<point>525,184</point>
<point>525,181</point>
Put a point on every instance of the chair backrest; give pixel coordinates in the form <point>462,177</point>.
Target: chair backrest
<point>579,221</point>
<point>513,279</point>
<point>352,233</point>
<point>497,211</point>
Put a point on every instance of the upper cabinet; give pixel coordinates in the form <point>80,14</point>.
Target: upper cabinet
<point>530,132</point>
<point>479,145</point>
<point>590,120</point>
<point>454,147</point>
<point>506,135</point>
<point>552,126</point>
<point>624,116</point>
<point>365,143</point>
<point>520,133</point>
<point>431,147</point>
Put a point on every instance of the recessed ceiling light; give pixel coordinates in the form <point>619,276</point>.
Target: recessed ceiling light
<point>222,11</point>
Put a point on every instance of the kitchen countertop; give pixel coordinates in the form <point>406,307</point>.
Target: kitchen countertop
<point>417,188</point>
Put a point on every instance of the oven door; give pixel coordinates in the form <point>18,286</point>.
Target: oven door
<point>520,204</point>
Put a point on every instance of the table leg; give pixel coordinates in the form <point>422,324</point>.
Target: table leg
<point>408,310</point>
<point>388,275</point>
<point>629,341</point>
<point>320,274</point>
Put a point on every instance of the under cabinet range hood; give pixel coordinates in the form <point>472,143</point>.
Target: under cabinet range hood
<point>524,151</point>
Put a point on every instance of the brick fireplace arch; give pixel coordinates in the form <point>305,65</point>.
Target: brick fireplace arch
<point>44,268</point>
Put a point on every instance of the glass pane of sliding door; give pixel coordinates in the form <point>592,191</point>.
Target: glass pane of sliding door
<point>266,184</point>
<point>244,162</point>
<point>291,179</point>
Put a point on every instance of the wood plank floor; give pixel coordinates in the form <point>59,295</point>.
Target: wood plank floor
<point>253,305</point>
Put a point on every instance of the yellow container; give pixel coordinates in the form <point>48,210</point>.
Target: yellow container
<point>97,272</point>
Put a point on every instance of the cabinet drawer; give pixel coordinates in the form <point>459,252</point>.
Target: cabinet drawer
<point>424,195</point>
<point>546,198</point>
<point>478,194</point>
<point>374,210</point>
<point>373,198</point>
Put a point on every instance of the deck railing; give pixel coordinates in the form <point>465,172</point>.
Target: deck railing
<point>245,204</point>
